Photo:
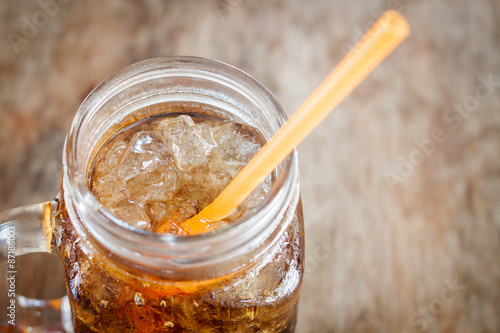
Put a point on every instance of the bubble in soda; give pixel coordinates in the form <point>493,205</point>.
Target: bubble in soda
<point>159,172</point>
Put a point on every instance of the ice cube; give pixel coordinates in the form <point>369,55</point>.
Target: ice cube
<point>157,211</point>
<point>236,145</point>
<point>154,185</point>
<point>219,224</point>
<point>171,227</point>
<point>217,174</point>
<point>108,188</point>
<point>208,136</point>
<point>199,194</point>
<point>206,182</point>
<point>186,210</point>
<point>258,194</point>
<point>132,212</point>
<point>185,140</point>
<point>101,166</point>
<point>114,153</point>
<point>142,154</point>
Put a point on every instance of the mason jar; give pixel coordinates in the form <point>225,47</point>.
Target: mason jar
<point>244,277</point>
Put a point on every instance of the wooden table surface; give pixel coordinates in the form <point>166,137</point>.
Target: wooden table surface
<point>401,184</point>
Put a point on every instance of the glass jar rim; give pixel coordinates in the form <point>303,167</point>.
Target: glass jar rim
<point>189,250</point>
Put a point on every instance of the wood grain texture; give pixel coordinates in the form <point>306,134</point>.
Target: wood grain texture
<point>401,184</point>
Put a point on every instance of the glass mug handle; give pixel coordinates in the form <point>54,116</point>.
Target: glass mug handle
<point>23,230</point>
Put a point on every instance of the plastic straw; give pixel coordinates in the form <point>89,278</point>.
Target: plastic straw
<point>378,42</point>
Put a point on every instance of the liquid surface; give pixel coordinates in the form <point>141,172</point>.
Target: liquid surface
<point>157,174</point>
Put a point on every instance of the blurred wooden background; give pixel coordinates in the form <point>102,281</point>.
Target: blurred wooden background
<point>401,184</point>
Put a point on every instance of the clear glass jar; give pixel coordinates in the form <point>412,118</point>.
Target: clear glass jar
<point>242,278</point>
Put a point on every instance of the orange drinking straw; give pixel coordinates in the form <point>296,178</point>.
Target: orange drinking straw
<point>378,42</point>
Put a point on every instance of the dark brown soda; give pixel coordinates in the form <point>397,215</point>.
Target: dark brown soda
<point>106,296</point>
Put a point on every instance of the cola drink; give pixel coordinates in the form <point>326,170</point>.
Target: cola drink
<point>153,174</point>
